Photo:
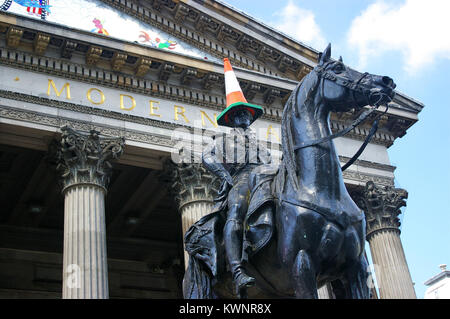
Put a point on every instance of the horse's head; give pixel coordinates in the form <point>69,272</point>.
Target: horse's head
<point>344,88</point>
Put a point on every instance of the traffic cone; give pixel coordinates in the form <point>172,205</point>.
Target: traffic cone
<point>235,98</point>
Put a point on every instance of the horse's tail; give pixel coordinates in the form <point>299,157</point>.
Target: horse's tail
<point>197,282</point>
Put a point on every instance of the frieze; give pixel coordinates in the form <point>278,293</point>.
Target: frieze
<point>394,125</point>
<point>85,109</point>
<point>170,92</point>
<point>53,121</point>
<point>369,164</point>
<point>115,115</point>
<point>364,177</point>
<point>81,73</point>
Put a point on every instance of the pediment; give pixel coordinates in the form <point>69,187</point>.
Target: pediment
<point>97,17</point>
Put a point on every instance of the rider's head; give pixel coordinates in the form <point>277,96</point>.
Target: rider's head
<point>241,118</point>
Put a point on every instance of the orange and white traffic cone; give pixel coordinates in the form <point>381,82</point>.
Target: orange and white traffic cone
<point>235,98</point>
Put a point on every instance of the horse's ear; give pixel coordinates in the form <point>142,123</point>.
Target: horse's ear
<point>325,56</point>
<point>340,59</point>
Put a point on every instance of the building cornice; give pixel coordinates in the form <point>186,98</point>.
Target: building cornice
<point>437,278</point>
<point>228,33</point>
<point>369,164</point>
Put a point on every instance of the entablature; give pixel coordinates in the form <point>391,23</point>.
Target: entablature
<point>55,49</point>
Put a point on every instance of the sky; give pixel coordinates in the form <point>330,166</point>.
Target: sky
<point>408,41</point>
<point>404,39</point>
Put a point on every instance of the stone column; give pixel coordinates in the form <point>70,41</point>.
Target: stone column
<point>325,292</point>
<point>382,207</point>
<point>195,189</point>
<point>83,162</point>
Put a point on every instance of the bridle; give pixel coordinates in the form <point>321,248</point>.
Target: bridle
<point>354,87</point>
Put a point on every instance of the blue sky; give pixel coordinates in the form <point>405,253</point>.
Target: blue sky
<point>407,40</point>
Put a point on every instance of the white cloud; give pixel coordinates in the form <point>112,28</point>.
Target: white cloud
<point>419,29</point>
<point>300,24</point>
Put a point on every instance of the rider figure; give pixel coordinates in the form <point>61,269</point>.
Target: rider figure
<point>232,158</point>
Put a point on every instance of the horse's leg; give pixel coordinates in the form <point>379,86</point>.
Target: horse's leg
<point>304,276</point>
<point>340,290</point>
<point>353,284</point>
<point>299,231</point>
<point>356,273</point>
<point>356,278</point>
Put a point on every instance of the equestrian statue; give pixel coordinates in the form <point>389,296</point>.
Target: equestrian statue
<point>282,231</point>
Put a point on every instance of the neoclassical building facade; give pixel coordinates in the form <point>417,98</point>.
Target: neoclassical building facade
<point>92,204</point>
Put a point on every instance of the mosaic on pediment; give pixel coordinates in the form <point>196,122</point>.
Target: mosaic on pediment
<point>96,17</point>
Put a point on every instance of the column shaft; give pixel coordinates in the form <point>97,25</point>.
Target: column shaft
<point>391,269</point>
<point>325,292</point>
<point>85,263</point>
<point>195,188</point>
<point>190,214</point>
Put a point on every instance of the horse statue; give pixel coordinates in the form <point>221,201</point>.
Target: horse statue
<point>303,229</point>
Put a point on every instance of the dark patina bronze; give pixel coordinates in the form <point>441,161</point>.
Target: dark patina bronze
<point>301,229</point>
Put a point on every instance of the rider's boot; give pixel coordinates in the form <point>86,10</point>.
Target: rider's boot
<point>233,233</point>
<point>241,280</point>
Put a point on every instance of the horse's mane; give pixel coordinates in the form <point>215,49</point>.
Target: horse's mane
<point>307,88</point>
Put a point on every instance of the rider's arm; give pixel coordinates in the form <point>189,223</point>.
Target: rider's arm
<point>213,161</point>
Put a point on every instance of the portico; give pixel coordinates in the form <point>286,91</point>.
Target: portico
<point>118,231</point>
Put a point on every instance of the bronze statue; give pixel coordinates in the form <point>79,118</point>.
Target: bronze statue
<point>301,229</point>
<point>232,158</point>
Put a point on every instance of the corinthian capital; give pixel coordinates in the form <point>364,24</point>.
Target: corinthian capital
<point>194,183</point>
<point>381,205</point>
<point>84,158</point>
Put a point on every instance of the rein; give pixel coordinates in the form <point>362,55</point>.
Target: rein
<point>353,87</point>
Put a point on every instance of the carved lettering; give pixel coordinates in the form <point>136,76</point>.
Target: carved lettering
<point>133,102</point>
<point>179,110</point>
<point>153,108</point>
<point>102,96</point>
<point>52,84</point>
<point>203,114</point>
